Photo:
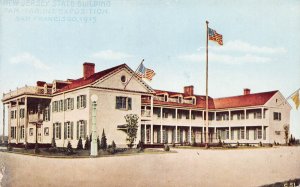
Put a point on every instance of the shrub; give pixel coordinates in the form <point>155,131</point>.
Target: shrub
<point>247,144</point>
<point>79,144</point>
<point>238,144</point>
<point>69,148</point>
<point>112,148</point>
<point>103,144</point>
<point>98,142</point>
<point>260,144</point>
<point>36,149</point>
<point>140,146</point>
<point>271,145</point>
<point>9,147</point>
<point>173,145</point>
<point>53,143</point>
<point>166,147</point>
<point>87,144</point>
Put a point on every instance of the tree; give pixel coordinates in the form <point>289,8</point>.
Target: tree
<point>103,144</point>
<point>79,144</point>
<point>98,142</point>
<point>131,128</point>
<point>53,143</point>
<point>286,133</point>
<point>87,144</point>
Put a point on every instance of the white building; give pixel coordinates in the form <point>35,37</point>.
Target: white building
<point>62,110</point>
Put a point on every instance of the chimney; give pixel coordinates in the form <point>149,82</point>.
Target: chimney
<point>88,69</point>
<point>189,90</point>
<point>246,91</point>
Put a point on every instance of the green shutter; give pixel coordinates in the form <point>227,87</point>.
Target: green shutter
<point>65,130</point>
<point>65,104</point>
<point>72,125</point>
<point>77,130</point>
<point>60,130</point>
<point>53,133</point>
<point>77,102</point>
<point>84,101</point>
<point>129,103</point>
<point>72,103</point>
<point>85,132</point>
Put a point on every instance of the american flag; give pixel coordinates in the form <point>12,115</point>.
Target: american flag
<point>213,35</point>
<point>144,72</point>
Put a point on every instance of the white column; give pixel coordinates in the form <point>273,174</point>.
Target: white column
<point>145,134</point>
<point>245,133</point>
<point>9,122</point>
<point>161,134</point>
<point>26,120</point>
<point>94,147</point>
<point>262,126</point>
<point>176,115</point>
<point>18,122</point>
<point>229,133</point>
<point>229,117</point>
<point>190,132</point>
<point>215,131</point>
<point>245,114</point>
<point>151,134</point>
<point>215,117</point>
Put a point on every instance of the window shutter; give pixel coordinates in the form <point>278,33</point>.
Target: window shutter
<point>84,124</point>
<point>78,130</point>
<point>77,102</point>
<point>65,130</point>
<point>72,103</point>
<point>84,101</point>
<point>60,130</point>
<point>117,99</point>
<point>53,106</point>
<point>53,133</point>
<point>44,114</point>
<point>65,104</point>
<point>129,103</point>
<point>72,125</point>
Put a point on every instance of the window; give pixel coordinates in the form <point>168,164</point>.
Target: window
<point>22,132</point>
<point>123,79</point>
<point>165,114</point>
<point>61,105</point>
<point>257,115</point>
<point>12,114</point>
<point>54,106</point>
<point>68,130</point>
<point>13,132</point>
<point>57,130</point>
<point>193,101</point>
<point>247,134</point>
<point>22,113</point>
<point>179,99</point>
<point>124,103</point>
<point>31,132</point>
<point>69,104</point>
<point>238,134</point>
<point>242,134</point>
<point>46,114</point>
<point>232,134</point>
<point>46,131</point>
<point>166,98</point>
<point>277,116</point>
<point>255,134</point>
<point>277,132</point>
<point>227,134</point>
<point>193,116</point>
<point>179,115</point>
<point>81,129</point>
<point>259,134</point>
<point>81,101</point>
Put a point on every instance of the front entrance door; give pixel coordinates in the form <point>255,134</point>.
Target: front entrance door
<point>39,134</point>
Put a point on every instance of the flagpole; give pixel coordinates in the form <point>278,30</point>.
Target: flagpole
<point>206,105</point>
<point>133,74</point>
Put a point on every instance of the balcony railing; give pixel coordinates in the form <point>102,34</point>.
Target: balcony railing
<point>146,113</point>
<point>25,90</point>
<point>34,118</point>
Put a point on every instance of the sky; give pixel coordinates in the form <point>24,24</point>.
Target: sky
<point>51,39</point>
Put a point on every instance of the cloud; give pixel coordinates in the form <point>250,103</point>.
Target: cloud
<point>240,46</point>
<point>111,55</point>
<point>225,58</point>
<point>29,59</point>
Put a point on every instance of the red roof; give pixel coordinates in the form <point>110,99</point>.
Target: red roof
<point>255,99</point>
<point>82,82</point>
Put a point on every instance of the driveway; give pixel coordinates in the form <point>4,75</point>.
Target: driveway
<point>188,167</point>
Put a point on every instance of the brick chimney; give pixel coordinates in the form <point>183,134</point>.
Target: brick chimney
<point>189,90</point>
<point>246,91</point>
<point>88,69</point>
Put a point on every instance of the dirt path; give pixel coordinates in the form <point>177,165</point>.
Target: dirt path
<point>188,167</point>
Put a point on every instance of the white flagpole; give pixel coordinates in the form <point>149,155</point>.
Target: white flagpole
<point>206,105</point>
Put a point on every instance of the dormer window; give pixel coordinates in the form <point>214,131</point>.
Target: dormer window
<point>194,101</point>
<point>179,99</point>
<point>165,98</point>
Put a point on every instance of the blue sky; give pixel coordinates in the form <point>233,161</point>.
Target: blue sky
<point>51,41</point>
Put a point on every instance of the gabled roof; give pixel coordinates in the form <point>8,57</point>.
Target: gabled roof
<point>95,77</point>
<point>83,82</point>
<point>255,99</point>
